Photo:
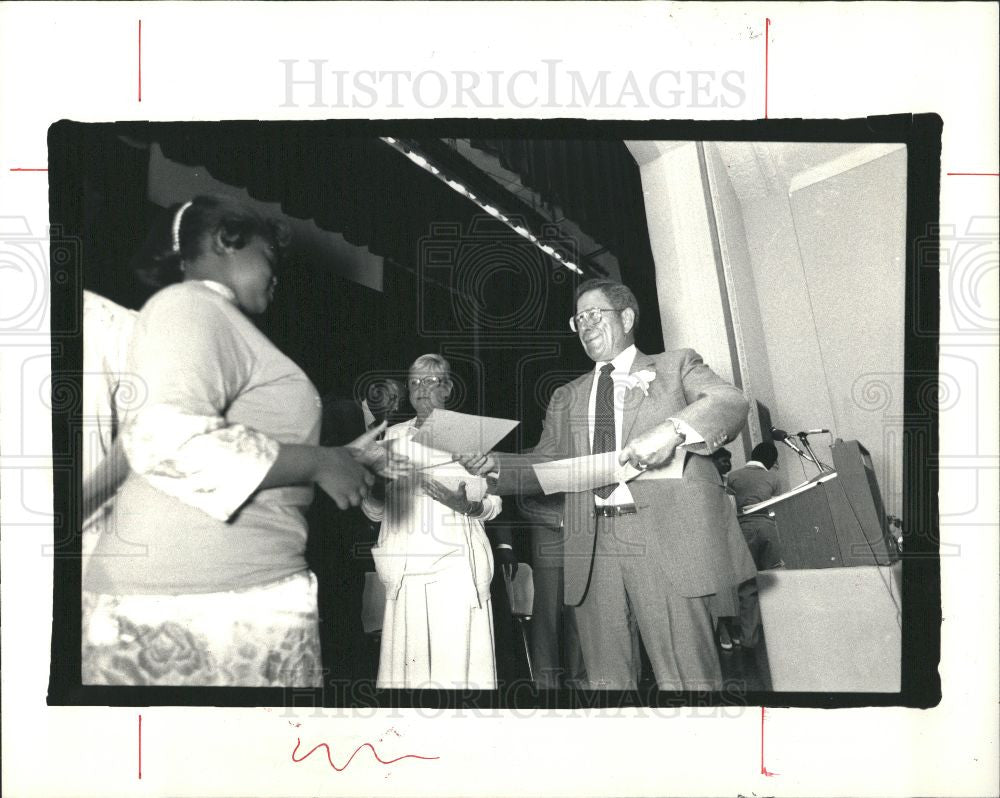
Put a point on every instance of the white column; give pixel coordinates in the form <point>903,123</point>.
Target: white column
<point>687,281</point>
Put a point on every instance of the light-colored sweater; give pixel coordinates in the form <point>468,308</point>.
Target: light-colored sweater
<point>218,398</point>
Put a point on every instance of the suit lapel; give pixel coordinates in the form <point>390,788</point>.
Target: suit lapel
<point>580,409</point>
<point>634,397</point>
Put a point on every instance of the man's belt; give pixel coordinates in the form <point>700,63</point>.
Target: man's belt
<point>614,510</point>
<point>756,514</point>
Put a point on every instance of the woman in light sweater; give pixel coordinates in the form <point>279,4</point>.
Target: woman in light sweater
<point>433,558</point>
<point>204,579</point>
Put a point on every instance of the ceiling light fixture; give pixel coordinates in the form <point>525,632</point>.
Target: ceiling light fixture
<point>423,163</point>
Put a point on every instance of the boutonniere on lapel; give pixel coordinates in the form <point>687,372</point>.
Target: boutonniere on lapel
<point>641,380</point>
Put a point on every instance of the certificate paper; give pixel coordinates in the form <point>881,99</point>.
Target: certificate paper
<point>579,473</point>
<point>594,470</point>
<point>437,465</point>
<point>462,433</point>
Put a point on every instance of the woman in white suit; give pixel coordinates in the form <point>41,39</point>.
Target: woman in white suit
<point>433,558</point>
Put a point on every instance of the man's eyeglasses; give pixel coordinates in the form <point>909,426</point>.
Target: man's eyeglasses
<point>427,382</point>
<point>589,317</point>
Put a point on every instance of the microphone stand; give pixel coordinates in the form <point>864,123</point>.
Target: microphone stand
<point>823,467</point>
<point>798,451</point>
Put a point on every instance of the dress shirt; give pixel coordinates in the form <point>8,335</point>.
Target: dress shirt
<point>622,363</point>
<point>219,288</point>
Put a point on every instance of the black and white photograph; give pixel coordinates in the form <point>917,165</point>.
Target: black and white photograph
<point>499,398</point>
<point>499,416</point>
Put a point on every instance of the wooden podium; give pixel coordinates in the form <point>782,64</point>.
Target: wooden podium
<point>834,520</point>
<point>831,615</point>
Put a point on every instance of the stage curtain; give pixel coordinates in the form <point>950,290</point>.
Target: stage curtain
<point>358,187</point>
<point>595,183</point>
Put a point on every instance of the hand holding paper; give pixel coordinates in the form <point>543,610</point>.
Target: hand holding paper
<point>478,464</point>
<point>653,449</point>
<point>577,474</point>
<point>432,465</point>
<point>378,456</point>
<point>581,473</point>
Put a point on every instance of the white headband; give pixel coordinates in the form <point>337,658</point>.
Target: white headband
<point>175,229</point>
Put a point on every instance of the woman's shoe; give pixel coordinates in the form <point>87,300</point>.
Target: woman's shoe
<point>725,641</point>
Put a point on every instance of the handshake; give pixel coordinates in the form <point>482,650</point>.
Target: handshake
<point>374,455</point>
<point>347,473</point>
<point>386,462</point>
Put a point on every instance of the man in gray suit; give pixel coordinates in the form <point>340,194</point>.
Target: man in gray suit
<point>644,556</point>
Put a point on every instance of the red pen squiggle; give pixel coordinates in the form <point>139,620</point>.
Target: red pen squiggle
<point>763,770</point>
<point>371,747</point>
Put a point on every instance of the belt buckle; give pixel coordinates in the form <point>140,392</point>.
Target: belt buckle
<point>615,510</point>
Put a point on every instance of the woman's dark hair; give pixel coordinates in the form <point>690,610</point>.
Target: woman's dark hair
<point>765,453</point>
<point>158,263</point>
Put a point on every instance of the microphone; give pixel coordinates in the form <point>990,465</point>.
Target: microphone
<point>783,437</point>
<point>808,432</point>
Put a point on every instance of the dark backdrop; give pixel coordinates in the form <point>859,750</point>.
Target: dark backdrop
<point>456,281</point>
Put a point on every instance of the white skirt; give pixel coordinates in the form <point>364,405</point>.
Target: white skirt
<point>433,639</point>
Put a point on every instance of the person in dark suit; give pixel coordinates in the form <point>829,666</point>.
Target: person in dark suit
<point>725,604</point>
<point>642,557</point>
<point>757,481</point>
<point>555,641</point>
<point>340,541</point>
<point>342,418</point>
<point>508,553</point>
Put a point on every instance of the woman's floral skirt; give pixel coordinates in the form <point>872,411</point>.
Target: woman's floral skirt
<point>265,636</point>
